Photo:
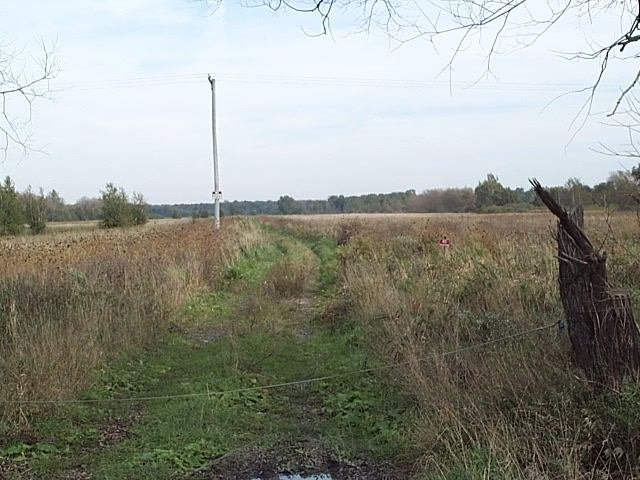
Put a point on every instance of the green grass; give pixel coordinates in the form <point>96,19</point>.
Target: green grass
<point>325,250</point>
<point>352,415</point>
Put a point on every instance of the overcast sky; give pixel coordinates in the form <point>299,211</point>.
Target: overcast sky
<point>149,131</point>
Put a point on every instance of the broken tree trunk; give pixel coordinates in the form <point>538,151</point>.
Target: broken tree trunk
<point>603,333</point>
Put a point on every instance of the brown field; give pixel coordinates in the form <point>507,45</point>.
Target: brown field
<point>534,222</point>
<point>69,301</point>
<point>84,225</point>
<point>518,409</point>
<point>76,242</point>
<point>514,410</point>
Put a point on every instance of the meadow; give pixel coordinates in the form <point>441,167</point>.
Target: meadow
<point>368,290</point>
<point>72,300</point>
<point>516,409</point>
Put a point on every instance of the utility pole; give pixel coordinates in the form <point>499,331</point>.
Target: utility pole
<point>217,193</point>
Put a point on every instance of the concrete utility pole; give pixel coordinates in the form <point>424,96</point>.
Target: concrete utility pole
<point>217,193</point>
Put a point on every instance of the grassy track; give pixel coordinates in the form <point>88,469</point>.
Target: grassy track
<point>262,328</point>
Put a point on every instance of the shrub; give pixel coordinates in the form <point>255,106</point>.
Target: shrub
<point>289,278</point>
<point>35,211</point>
<point>118,211</point>
<point>139,209</point>
<point>346,230</point>
<point>11,218</point>
<point>115,208</point>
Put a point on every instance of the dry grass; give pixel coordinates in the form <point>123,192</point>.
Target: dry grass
<point>514,410</point>
<point>68,302</point>
<point>71,244</point>
<point>532,222</point>
<point>290,277</point>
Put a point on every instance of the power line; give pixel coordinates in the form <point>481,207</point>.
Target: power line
<point>309,80</point>
<point>284,384</point>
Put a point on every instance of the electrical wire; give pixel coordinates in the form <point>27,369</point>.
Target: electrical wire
<point>309,80</point>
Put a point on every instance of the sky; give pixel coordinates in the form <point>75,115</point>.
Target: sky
<point>302,115</point>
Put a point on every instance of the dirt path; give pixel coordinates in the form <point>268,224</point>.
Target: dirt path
<point>262,328</point>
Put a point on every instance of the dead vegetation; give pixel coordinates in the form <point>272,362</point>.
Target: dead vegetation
<point>518,409</point>
<point>69,302</point>
<point>290,278</point>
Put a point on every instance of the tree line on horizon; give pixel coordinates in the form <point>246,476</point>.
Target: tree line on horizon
<point>115,208</point>
<point>621,191</point>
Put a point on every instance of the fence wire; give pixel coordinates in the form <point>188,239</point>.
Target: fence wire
<point>306,381</point>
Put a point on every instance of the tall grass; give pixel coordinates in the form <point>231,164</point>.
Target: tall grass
<point>69,302</point>
<point>517,409</point>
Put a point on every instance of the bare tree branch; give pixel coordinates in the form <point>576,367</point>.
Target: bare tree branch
<point>519,21</point>
<point>22,81</point>
<point>515,24</point>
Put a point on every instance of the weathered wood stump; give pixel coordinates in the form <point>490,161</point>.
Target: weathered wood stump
<point>603,333</point>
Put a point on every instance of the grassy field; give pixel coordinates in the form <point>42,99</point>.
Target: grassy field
<point>168,310</point>
<point>513,410</point>
<point>70,301</point>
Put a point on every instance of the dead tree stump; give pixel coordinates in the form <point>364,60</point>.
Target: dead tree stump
<point>603,333</point>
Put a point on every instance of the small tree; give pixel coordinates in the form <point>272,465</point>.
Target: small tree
<point>11,218</point>
<point>35,210</point>
<point>337,203</point>
<point>287,205</point>
<point>57,211</point>
<point>635,174</point>
<point>86,209</point>
<point>116,210</point>
<point>139,209</point>
<point>491,192</point>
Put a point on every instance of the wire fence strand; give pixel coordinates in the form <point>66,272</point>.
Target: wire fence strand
<point>306,381</point>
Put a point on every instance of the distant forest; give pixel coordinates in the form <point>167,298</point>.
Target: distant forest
<point>620,191</point>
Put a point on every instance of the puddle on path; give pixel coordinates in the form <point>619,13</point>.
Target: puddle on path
<point>322,476</point>
<point>312,477</point>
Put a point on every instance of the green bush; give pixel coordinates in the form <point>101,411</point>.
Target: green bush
<point>139,209</point>
<point>11,217</point>
<point>35,211</point>
<point>118,211</point>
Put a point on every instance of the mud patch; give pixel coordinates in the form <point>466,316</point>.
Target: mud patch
<point>301,303</point>
<point>207,334</point>
<point>118,429</point>
<point>295,461</point>
<point>298,477</point>
<point>304,333</point>
<point>75,474</point>
<point>22,471</point>
<point>9,469</point>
